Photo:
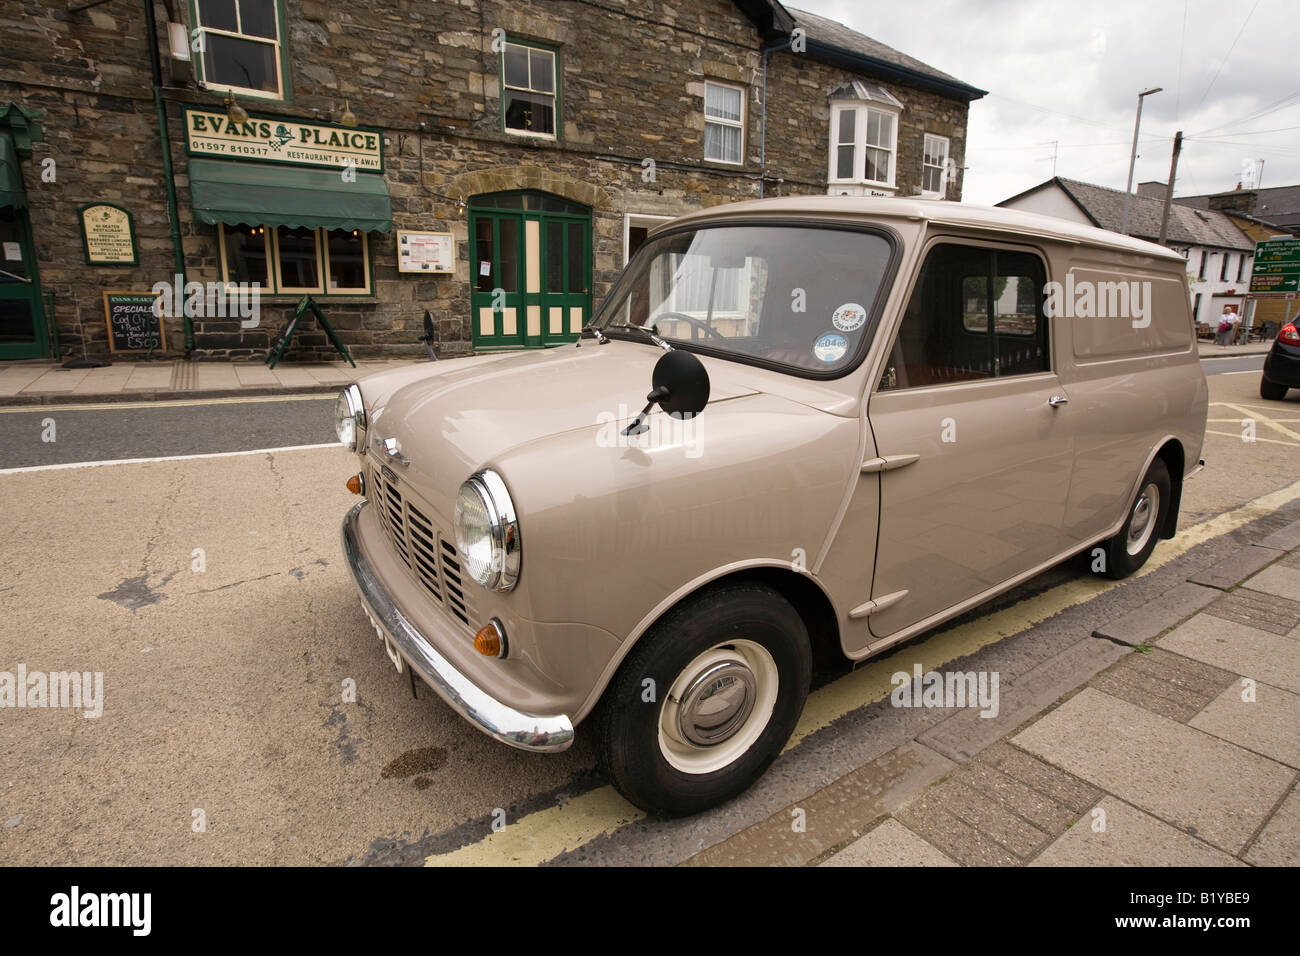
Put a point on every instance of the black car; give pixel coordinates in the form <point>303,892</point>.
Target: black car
<point>1282,367</point>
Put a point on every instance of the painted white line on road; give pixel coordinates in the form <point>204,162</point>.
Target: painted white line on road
<point>234,400</point>
<point>141,461</point>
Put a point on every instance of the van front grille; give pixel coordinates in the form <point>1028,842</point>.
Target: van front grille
<point>431,558</point>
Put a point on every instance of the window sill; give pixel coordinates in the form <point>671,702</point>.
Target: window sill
<point>260,95</point>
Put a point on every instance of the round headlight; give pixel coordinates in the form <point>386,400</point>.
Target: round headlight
<point>349,417</point>
<point>487,532</point>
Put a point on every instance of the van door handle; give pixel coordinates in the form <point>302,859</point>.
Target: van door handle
<point>1056,401</point>
<point>889,463</point>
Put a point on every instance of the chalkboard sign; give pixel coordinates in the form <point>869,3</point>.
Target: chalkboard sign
<point>133,322</point>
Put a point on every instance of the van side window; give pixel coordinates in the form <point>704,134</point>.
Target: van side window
<point>975,313</point>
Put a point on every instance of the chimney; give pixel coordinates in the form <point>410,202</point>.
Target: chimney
<point>1239,200</point>
<point>1153,189</point>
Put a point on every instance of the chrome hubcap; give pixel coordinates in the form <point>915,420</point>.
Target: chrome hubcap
<point>718,706</point>
<point>1142,524</point>
<point>716,703</point>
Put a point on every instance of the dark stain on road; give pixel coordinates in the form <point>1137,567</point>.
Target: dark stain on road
<point>136,593</point>
<point>422,783</point>
<point>345,742</point>
<point>419,760</point>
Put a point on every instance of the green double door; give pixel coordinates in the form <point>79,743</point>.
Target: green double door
<point>22,315</point>
<point>531,270</point>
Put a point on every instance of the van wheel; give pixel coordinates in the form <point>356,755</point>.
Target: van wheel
<point>1271,390</point>
<point>705,701</point>
<point>1129,550</point>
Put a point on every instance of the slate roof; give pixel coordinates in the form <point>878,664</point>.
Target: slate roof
<point>1279,205</point>
<point>1188,226</point>
<point>827,36</point>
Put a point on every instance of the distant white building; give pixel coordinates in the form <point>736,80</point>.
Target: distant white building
<point>1219,255</point>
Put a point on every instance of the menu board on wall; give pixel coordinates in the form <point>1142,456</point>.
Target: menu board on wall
<point>133,322</point>
<point>425,252</point>
<point>107,235</point>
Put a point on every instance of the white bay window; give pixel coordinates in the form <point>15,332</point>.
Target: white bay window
<point>864,137</point>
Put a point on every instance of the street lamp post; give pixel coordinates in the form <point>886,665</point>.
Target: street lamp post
<point>1132,160</point>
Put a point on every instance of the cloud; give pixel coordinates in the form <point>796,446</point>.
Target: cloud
<point>1069,73</point>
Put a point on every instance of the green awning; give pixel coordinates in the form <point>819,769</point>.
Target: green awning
<point>11,177</point>
<point>264,194</point>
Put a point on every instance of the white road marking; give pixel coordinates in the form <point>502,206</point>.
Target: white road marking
<point>141,461</point>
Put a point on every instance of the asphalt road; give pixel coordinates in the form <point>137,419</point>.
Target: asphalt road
<point>1237,363</point>
<point>114,431</point>
<point>211,595</point>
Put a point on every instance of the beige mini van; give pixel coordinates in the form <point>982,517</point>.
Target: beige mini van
<point>795,426</point>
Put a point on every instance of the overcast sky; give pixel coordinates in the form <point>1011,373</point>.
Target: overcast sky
<point>1070,71</point>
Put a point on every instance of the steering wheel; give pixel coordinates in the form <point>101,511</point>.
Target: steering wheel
<point>708,330</point>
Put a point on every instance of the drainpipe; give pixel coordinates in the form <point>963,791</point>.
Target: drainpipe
<point>178,251</point>
<point>762,171</point>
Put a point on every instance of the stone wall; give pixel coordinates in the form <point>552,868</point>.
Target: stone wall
<point>425,71</point>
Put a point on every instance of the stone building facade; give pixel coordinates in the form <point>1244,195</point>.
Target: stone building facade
<point>517,152</point>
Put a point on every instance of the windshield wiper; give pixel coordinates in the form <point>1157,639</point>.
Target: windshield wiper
<point>652,333</point>
<point>601,337</point>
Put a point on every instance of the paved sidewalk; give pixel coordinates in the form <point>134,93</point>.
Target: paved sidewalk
<point>1168,737</point>
<point>46,383</point>
<point>1210,350</point>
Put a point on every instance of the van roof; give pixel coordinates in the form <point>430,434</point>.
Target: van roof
<point>936,211</point>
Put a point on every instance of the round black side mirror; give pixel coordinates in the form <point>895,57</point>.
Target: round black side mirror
<point>681,388</point>
<point>686,381</point>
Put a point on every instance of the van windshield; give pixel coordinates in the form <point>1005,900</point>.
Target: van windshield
<point>797,296</point>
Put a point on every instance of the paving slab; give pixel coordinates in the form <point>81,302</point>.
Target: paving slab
<point>1284,539</point>
<point>1269,724</point>
<point>967,732</point>
<point>1244,650</point>
<point>57,381</point>
<point>1129,838</point>
<point>1236,567</point>
<point>293,377</point>
<point>1278,844</point>
<point>1264,611</point>
<point>833,815</point>
<point>254,375</point>
<point>150,377</point>
<point>1145,624</point>
<point>890,844</point>
<point>1200,784</point>
<point>14,378</point>
<point>213,375</point>
<point>1279,582</point>
<point>1065,789</point>
<point>1165,683</point>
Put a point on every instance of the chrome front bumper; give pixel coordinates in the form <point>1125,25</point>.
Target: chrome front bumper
<point>540,733</point>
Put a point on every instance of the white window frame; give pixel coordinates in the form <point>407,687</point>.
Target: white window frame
<point>249,37</point>
<point>925,150</point>
<point>860,144</point>
<point>633,220</point>
<point>271,237</point>
<point>722,121</point>
<point>554,93</point>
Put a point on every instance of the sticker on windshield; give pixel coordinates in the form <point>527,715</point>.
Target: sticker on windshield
<point>849,317</point>
<point>830,347</point>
